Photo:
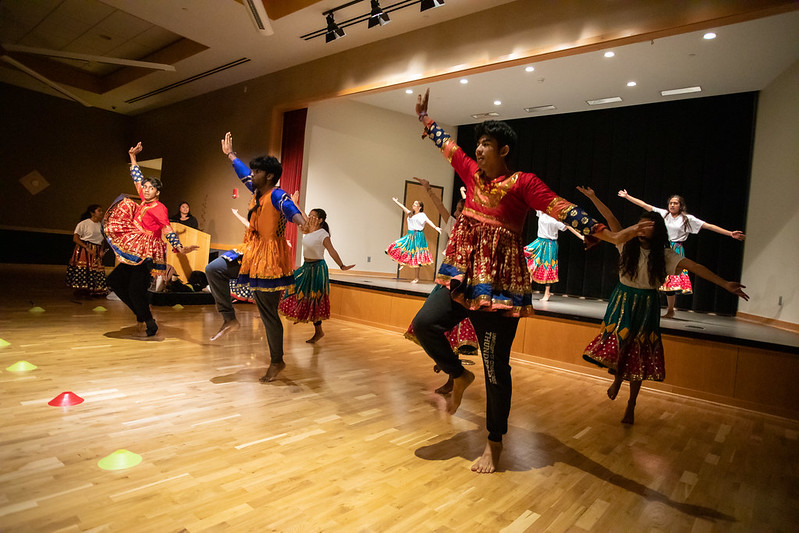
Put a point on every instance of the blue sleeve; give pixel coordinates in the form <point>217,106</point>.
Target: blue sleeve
<point>282,202</point>
<point>244,173</point>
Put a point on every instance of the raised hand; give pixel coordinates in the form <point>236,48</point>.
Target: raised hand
<point>588,191</point>
<point>227,144</point>
<point>623,193</point>
<point>421,104</point>
<point>423,182</point>
<point>134,150</point>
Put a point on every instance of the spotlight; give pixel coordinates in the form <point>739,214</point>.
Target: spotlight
<point>378,17</point>
<point>424,5</point>
<point>333,31</point>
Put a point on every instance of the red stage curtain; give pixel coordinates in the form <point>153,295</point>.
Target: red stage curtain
<point>291,152</point>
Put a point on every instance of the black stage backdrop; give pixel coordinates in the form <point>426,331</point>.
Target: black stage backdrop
<point>699,148</point>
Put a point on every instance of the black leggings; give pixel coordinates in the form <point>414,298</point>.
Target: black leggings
<point>495,335</point>
<point>130,283</point>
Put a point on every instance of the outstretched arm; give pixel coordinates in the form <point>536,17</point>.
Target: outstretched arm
<point>636,201</point>
<point>241,218</point>
<point>407,211</point>
<point>577,233</point>
<point>703,272</point>
<point>334,254</point>
<point>604,210</point>
<point>738,235</point>
<point>434,198</point>
<point>428,221</point>
<point>172,238</point>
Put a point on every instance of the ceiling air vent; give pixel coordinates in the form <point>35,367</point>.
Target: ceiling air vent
<point>189,80</point>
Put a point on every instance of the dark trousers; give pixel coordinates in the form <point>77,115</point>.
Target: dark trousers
<point>495,335</point>
<point>131,283</point>
<point>219,273</point>
<point>267,303</point>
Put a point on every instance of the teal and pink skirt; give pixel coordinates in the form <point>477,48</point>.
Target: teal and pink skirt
<point>308,300</point>
<point>680,283</point>
<point>542,260</point>
<point>410,250</point>
<point>629,341</point>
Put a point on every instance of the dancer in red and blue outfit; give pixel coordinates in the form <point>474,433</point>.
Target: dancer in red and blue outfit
<point>135,232</point>
<point>484,274</point>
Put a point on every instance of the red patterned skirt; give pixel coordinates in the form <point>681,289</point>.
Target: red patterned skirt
<point>680,283</point>
<point>131,243</point>
<point>485,268</point>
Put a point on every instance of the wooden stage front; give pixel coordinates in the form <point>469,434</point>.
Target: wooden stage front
<point>350,437</point>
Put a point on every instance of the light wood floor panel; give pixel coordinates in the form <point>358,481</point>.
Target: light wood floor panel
<point>350,438</point>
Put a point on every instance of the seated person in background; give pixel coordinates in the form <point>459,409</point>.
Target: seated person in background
<point>184,216</point>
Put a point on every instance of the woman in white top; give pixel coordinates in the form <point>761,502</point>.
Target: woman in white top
<point>411,250</point>
<point>629,343</point>
<point>85,270</point>
<point>679,225</point>
<point>542,253</point>
<point>308,300</point>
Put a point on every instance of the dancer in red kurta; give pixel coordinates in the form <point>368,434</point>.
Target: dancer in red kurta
<point>135,232</point>
<point>484,274</point>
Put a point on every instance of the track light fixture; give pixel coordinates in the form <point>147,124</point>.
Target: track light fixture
<point>333,30</point>
<point>424,5</point>
<point>377,17</point>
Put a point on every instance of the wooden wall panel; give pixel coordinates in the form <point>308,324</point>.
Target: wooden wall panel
<point>768,378</point>
<point>701,365</point>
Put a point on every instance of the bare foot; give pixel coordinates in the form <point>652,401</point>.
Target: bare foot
<point>669,314</point>
<point>316,336</point>
<point>228,326</point>
<point>629,415</point>
<point>545,298</point>
<point>613,390</point>
<point>487,463</point>
<point>459,385</point>
<point>272,372</point>
<point>414,281</point>
<point>141,329</point>
<point>446,388</point>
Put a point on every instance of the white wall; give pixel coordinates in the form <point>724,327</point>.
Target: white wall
<point>357,157</point>
<point>771,257</point>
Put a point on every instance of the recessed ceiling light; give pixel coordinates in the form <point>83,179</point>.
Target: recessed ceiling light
<point>684,90</point>
<point>464,81</point>
<point>610,54</point>
<point>539,108</point>
<point>600,101</point>
<point>408,91</point>
<point>497,102</point>
<point>529,69</point>
<point>709,35</point>
<point>486,115</point>
<point>631,84</point>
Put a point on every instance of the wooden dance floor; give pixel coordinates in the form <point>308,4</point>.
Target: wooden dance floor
<point>349,438</point>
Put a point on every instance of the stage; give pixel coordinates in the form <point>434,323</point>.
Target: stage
<point>688,324</point>
<point>716,358</point>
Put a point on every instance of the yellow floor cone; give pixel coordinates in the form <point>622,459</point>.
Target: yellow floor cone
<point>21,366</point>
<point>99,309</point>
<point>177,306</point>
<point>36,309</point>
<point>4,343</point>
<point>119,460</point>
